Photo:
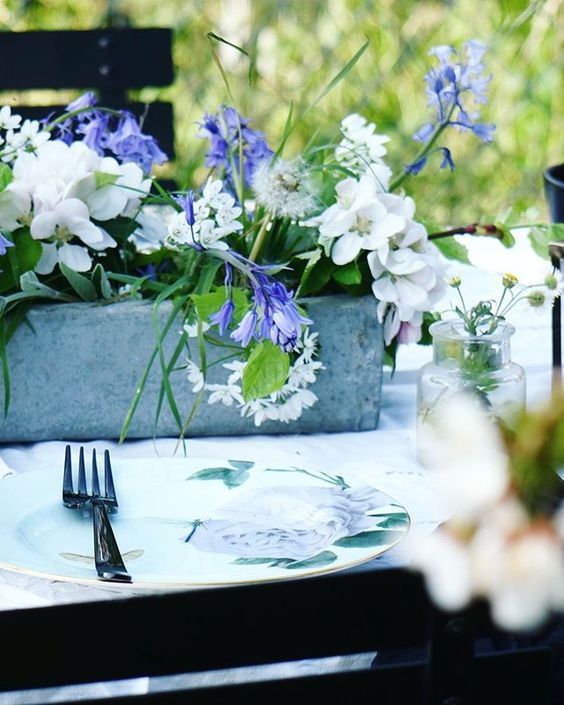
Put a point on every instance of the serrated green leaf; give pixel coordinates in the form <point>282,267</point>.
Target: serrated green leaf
<point>101,282</point>
<point>104,179</point>
<point>266,371</point>
<point>452,249</point>
<point>348,275</point>
<point>79,283</point>
<point>6,176</point>
<point>369,539</point>
<point>321,559</point>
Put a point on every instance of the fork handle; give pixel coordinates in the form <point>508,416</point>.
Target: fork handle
<point>109,563</point>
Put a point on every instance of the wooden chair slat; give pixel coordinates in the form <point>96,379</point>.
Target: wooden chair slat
<point>111,59</point>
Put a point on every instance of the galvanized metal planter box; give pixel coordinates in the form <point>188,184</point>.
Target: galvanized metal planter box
<point>73,376</point>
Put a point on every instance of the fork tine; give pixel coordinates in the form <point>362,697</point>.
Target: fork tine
<point>95,480</point>
<point>109,479</point>
<point>67,475</point>
<point>82,489</point>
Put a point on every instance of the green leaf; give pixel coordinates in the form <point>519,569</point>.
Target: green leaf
<point>395,522</point>
<point>208,304</point>
<point>507,239</point>
<point>266,371</point>
<point>540,236</point>
<point>370,539</point>
<point>242,464</point>
<point>348,275</point>
<point>21,258</point>
<point>317,277</point>
<point>231,478</point>
<point>254,561</point>
<point>6,176</point>
<point>119,228</point>
<point>104,179</point>
<point>321,559</point>
<point>101,282</point>
<point>83,286</point>
<point>452,249</point>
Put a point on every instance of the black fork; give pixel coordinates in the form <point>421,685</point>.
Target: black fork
<point>109,563</point>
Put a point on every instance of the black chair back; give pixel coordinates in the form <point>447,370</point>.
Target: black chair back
<point>381,612</point>
<point>108,61</point>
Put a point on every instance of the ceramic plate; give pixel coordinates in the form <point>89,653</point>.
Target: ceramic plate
<point>201,522</point>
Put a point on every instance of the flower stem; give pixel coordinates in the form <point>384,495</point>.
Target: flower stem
<point>259,240</point>
<point>396,183</point>
<point>74,113</point>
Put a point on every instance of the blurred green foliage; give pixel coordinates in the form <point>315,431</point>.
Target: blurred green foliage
<point>298,45</point>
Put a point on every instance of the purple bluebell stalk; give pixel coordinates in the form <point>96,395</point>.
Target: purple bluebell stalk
<point>455,89</point>
<point>129,144</point>
<point>276,314</point>
<point>225,131</point>
<point>4,244</point>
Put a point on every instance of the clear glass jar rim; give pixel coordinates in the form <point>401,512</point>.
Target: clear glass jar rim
<point>454,328</point>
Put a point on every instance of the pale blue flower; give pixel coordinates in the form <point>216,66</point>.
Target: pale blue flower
<point>129,144</point>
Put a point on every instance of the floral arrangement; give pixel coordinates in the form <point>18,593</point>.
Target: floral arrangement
<point>504,537</point>
<point>82,218</point>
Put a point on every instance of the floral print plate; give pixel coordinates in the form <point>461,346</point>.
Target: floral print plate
<point>200,522</point>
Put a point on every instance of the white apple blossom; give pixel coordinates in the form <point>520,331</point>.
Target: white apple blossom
<point>28,138</point>
<point>59,224</point>
<point>7,120</point>
<point>359,220</point>
<point>362,149</point>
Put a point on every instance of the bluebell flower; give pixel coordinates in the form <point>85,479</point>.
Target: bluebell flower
<point>95,131</point>
<point>4,244</point>
<point>246,330</point>
<point>86,100</point>
<point>416,166</point>
<point>448,161</point>
<point>225,131</point>
<point>129,144</point>
<point>456,87</point>
<point>222,318</point>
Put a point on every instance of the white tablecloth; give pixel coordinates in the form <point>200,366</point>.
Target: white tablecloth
<point>384,458</point>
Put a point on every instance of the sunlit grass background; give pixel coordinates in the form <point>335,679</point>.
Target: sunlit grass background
<point>299,45</point>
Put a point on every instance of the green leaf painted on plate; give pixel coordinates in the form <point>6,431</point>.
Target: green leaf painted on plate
<point>242,464</point>
<point>254,561</point>
<point>395,523</point>
<point>231,477</point>
<point>321,559</point>
<point>369,539</point>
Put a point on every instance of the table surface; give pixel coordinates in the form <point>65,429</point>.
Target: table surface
<point>384,458</point>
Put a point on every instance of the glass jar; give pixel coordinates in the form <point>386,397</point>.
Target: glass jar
<point>478,364</point>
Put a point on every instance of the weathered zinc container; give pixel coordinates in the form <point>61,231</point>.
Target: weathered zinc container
<point>75,369</point>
